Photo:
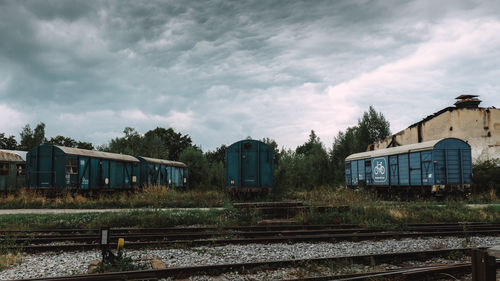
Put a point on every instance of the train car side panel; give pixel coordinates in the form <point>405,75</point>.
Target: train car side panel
<point>380,171</point>
<point>415,169</point>
<point>393,170</point>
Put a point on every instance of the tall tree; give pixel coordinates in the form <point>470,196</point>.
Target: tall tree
<point>131,143</point>
<point>198,166</point>
<point>62,141</point>
<point>174,142</point>
<point>7,142</point>
<point>305,149</point>
<point>32,138</point>
<point>218,155</point>
<point>371,128</point>
<point>69,142</point>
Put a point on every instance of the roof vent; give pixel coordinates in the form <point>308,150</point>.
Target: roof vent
<point>467,101</point>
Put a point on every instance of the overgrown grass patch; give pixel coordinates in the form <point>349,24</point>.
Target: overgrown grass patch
<point>332,196</point>
<point>9,254</point>
<point>153,196</point>
<point>375,216</point>
<point>397,216</point>
<point>139,219</point>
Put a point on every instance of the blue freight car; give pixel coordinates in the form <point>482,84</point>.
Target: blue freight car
<point>59,167</point>
<point>249,167</point>
<point>161,172</point>
<point>433,167</point>
<point>12,170</point>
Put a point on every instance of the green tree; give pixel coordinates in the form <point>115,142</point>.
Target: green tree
<point>216,175</point>
<point>7,142</point>
<point>69,142</point>
<point>306,148</point>
<point>32,138</point>
<point>85,145</point>
<point>198,166</point>
<point>154,147</point>
<point>218,155</point>
<point>62,141</point>
<point>174,142</point>
<point>486,175</point>
<point>131,143</point>
<point>372,127</point>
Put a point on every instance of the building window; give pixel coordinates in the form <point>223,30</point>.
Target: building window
<point>71,166</point>
<point>21,169</point>
<point>4,169</point>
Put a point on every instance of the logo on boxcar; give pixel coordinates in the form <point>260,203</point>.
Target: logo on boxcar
<point>379,171</point>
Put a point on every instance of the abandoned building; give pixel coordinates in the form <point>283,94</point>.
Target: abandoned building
<point>478,126</point>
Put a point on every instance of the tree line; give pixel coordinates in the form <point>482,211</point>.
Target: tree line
<point>309,165</point>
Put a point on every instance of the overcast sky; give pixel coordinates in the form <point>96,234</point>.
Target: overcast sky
<point>224,70</point>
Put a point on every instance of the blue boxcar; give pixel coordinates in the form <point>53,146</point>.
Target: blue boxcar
<point>436,166</point>
<point>249,167</point>
<point>12,170</point>
<point>161,172</point>
<point>51,166</point>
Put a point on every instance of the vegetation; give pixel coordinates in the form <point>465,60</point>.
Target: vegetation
<point>8,255</point>
<point>122,264</point>
<point>486,176</point>
<point>150,197</point>
<point>309,166</point>
<point>372,214</point>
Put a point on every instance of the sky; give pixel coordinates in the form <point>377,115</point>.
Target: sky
<point>220,71</point>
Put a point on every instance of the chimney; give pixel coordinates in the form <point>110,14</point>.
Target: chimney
<point>467,101</point>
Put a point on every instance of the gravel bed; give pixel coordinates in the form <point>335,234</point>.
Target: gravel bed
<point>69,263</point>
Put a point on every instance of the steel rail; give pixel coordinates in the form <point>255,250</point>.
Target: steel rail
<point>264,239</point>
<point>248,228</point>
<point>205,235</point>
<point>183,272</point>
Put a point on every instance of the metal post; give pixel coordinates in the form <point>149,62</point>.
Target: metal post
<point>483,266</point>
<point>107,256</point>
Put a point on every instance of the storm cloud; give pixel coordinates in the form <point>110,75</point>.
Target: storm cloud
<point>224,70</point>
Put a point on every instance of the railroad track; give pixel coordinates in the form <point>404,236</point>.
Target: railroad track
<point>394,258</point>
<point>409,227</point>
<point>147,238</point>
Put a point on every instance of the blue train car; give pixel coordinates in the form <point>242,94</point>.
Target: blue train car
<point>436,167</point>
<point>58,167</point>
<point>249,167</point>
<point>12,170</point>
<point>161,172</point>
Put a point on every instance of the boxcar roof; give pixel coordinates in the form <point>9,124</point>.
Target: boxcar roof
<point>97,154</point>
<point>10,157</point>
<point>21,154</point>
<point>165,162</point>
<point>428,145</point>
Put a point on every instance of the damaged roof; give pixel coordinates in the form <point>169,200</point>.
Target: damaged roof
<point>10,157</point>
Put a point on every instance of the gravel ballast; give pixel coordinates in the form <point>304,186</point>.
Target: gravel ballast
<point>69,263</point>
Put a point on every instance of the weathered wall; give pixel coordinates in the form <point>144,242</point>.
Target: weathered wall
<point>480,127</point>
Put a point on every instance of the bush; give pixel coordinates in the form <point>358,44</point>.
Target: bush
<point>486,175</point>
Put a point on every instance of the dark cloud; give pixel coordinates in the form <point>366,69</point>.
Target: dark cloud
<point>223,70</point>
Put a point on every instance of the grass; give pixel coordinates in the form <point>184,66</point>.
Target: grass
<point>332,196</point>
<point>8,256</point>
<point>123,264</point>
<point>153,196</point>
<point>364,209</point>
<point>397,216</point>
<point>375,216</point>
